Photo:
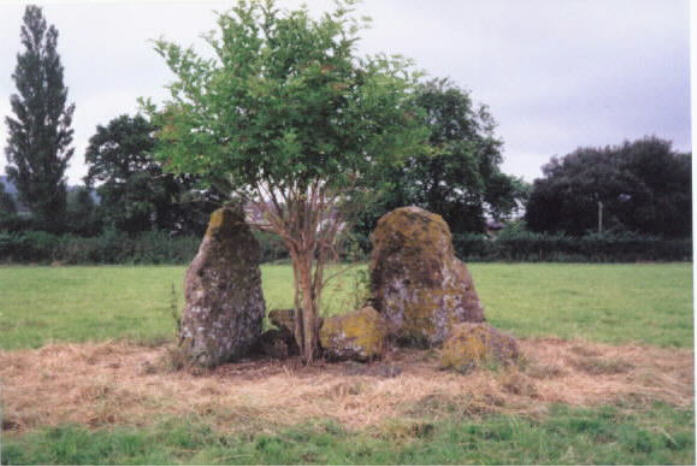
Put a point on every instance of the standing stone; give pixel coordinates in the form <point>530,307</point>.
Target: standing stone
<point>224,302</point>
<point>417,283</point>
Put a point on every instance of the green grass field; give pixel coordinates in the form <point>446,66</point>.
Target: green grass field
<point>617,304</point>
<point>566,436</point>
<point>646,303</point>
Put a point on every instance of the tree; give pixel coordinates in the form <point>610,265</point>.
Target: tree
<point>7,202</point>
<point>39,140</point>
<point>81,212</point>
<point>460,177</point>
<point>118,158</point>
<point>643,186</point>
<point>135,194</point>
<point>289,119</point>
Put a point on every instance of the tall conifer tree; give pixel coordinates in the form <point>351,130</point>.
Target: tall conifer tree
<point>40,136</point>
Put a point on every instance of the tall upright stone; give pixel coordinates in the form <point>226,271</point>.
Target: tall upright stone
<point>224,301</point>
<point>417,283</point>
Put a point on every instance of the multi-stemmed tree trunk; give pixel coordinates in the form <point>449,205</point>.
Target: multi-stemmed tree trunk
<point>306,320</point>
<point>39,137</point>
<point>308,222</point>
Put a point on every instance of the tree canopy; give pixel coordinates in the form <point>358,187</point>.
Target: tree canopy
<point>644,187</point>
<point>284,103</point>
<point>117,156</point>
<point>81,213</point>
<point>135,194</point>
<point>287,116</point>
<point>39,139</point>
<point>459,177</point>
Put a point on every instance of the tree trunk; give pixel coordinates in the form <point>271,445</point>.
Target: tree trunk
<point>298,313</point>
<point>306,322</point>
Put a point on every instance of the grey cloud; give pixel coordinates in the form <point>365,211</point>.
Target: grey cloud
<point>555,74</point>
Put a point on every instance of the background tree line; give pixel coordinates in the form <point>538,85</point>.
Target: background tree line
<point>641,188</point>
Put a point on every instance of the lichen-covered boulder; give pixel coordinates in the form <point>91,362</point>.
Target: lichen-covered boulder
<point>416,281</point>
<point>470,345</point>
<point>283,319</point>
<point>224,302</point>
<point>358,336</point>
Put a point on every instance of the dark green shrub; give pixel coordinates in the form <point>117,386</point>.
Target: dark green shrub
<point>111,247</point>
<point>537,247</point>
<point>473,247</point>
<point>156,247</point>
<point>29,246</point>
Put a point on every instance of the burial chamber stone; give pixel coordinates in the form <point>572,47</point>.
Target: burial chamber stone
<point>224,301</point>
<point>417,283</point>
<point>471,345</point>
<point>357,335</point>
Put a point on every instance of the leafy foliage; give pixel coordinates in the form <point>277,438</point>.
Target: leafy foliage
<point>114,247</point>
<point>135,194</point>
<point>8,206</point>
<point>284,103</point>
<point>644,187</point>
<point>526,246</point>
<point>109,247</point>
<point>39,139</point>
<point>82,213</point>
<point>459,178</point>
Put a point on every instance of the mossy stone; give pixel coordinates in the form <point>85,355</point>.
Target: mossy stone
<point>358,336</point>
<point>471,345</point>
<point>417,283</point>
<point>224,301</point>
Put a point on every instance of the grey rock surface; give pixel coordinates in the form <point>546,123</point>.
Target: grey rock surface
<point>224,301</point>
<point>417,283</point>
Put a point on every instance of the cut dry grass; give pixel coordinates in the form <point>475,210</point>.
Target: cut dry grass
<point>121,383</point>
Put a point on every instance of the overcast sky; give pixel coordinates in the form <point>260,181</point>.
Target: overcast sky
<point>556,74</point>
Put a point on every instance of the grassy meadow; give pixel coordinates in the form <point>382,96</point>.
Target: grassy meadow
<point>551,410</point>
<point>566,436</point>
<point>611,303</point>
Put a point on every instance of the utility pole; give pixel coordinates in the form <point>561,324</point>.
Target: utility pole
<point>600,216</point>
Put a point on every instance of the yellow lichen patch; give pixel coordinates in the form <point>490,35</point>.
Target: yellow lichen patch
<point>471,345</point>
<point>224,219</point>
<point>416,229</point>
<point>356,335</point>
<point>216,221</point>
